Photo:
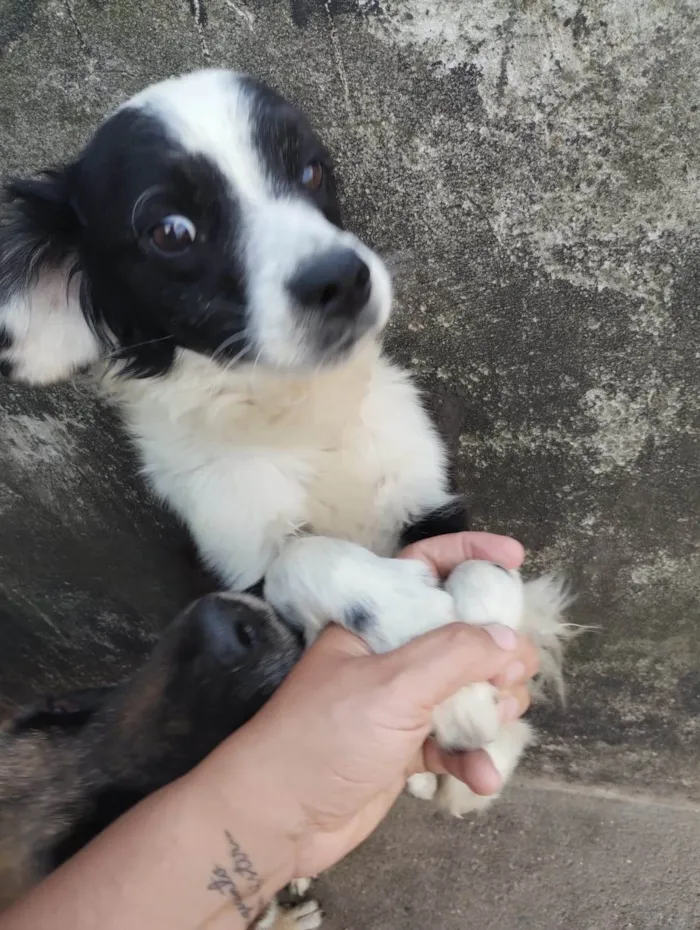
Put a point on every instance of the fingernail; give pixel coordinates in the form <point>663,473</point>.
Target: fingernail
<point>514,673</point>
<point>503,636</point>
<point>509,709</point>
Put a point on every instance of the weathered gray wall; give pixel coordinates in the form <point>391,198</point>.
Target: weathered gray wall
<point>534,167</point>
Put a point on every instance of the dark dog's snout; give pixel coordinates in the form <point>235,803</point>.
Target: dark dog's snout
<point>337,283</point>
<point>230,628</point>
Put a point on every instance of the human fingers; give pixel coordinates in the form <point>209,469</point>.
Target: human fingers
<point>433,660</point>
<point>335,642</point>
<point>524,665</point>
<point>514,703</point>
<point>431,668</point>
<point>442,554</point>
<point>475,767</point>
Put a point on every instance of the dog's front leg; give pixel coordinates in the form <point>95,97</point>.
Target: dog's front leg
<point>317,580</point>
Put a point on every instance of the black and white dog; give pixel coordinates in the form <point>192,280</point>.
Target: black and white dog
<point>195,250</point>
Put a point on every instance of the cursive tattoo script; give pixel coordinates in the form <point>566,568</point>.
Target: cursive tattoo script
<point>240,881</point>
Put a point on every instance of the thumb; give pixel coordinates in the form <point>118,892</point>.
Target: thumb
<point>435,666</point>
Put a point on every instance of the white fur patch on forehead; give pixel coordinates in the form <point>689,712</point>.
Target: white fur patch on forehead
<point>210,113</point>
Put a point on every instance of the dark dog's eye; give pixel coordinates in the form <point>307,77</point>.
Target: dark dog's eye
<point>312,176</point>
<point>173,235</point>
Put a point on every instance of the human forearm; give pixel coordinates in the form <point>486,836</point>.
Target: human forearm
<point>181,860</point>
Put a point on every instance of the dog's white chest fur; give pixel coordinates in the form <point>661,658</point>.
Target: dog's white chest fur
<point>249,458</point>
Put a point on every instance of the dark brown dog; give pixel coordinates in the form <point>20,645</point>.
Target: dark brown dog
<point>70,766</point>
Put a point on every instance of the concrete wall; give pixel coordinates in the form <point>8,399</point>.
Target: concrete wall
<point>531,168</point>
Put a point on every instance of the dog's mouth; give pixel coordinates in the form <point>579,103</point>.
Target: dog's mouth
<point>336,341</point>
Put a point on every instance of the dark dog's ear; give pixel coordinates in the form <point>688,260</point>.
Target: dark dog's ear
<point>44,334</point>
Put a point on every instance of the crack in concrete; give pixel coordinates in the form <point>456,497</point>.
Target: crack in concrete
<point>243,12</point>
<point>200,16</point>
<point>339,59</point>
<point>76,26</point>
<point>507,32</point>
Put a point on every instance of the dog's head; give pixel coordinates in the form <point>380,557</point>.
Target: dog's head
<point>203,216</point>
<point>72,765</point>
<point>211,670</point>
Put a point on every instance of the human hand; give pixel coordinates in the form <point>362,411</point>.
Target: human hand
<point>442,554</point>
<point>326,758</point>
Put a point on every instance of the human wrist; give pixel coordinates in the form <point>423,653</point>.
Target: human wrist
<point>184,858</point>
<point>247,791</point>
<point>251,858</point>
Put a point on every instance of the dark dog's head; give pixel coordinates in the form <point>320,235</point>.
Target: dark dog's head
<point>211,670</point>
<point>201,216</point>
<point>80,761</point>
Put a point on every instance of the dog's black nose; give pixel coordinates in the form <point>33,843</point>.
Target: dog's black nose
<point>337,283</point>
<point>229,628</point>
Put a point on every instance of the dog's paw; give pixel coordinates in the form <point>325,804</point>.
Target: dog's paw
<point>485,593</point>
<point>299,886</point>
<point>423,786</point>
<point>387,602</point>
<point>458,799</point>
<point>544,620</point>
<point>469,719</point>
<point>305,916</point>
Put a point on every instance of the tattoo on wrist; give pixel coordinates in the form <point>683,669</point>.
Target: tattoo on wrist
<point>240,882</point>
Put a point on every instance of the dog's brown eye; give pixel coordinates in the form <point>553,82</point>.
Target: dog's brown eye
<point>173,234</point>
<point>312,176</point>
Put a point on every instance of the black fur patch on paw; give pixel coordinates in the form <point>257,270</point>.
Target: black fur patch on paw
<point>5,368</point>
<point>5,340</point>
<point>358,618</point>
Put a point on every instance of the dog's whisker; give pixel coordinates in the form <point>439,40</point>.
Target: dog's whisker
<point>329,354</point>
<point>253,368</point>
<point>227,343</point>
<point>229,365</point>
<point>120,350</point>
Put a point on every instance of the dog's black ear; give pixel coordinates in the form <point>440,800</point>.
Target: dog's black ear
<point>44,334</point>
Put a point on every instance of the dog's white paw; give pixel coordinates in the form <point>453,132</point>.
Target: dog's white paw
<point>546,601</point>
<point>299,886</point>
<point>423,786</point>
<point>505,752</point>
<point>305,916</point>
<point>387,602</point>
<point>482,594</point>
<point>469,719</point>
<point>485,593</point>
